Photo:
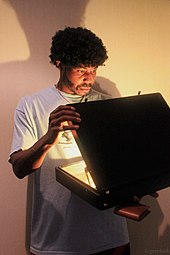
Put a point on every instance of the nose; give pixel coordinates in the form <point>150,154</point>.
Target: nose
<point>89,77</point>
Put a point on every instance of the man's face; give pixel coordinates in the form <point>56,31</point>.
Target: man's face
<point>78,80</point>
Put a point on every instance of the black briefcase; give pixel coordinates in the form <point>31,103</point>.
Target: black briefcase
<point>125,147</point>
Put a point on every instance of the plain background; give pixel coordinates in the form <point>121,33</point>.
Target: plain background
<point>137,36</point>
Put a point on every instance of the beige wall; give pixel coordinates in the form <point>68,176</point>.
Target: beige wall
<point>137,35</point>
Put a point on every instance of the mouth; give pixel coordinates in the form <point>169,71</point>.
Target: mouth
<point>84,90</point>
<point>85,87</point>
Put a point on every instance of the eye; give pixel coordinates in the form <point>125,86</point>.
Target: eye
<point>94,71</point>
<point>81,71</point>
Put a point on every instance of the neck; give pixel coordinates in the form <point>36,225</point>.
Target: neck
<point>60,86</point>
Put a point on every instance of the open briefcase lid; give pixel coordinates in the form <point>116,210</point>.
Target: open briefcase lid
<point>125,145</point>
<point>126,139</point>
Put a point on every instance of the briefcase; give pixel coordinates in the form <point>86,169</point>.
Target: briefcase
<point>125,148</point>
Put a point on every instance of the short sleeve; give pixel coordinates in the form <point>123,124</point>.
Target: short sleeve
<point>24,135</point>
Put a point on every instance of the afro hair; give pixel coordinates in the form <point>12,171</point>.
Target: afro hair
<point>77,46</point>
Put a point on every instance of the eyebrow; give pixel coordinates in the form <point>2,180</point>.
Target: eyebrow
<point>85,67</point>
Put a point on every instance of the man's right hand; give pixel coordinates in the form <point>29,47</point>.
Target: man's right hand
<point>25,162</point>
<point>60,120</point>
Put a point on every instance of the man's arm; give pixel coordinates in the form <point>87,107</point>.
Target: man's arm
<point>25,162</point>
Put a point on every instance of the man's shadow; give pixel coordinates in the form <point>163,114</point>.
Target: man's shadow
<point>144,236</point>
<point>106,86</point>
<point>39,20</point>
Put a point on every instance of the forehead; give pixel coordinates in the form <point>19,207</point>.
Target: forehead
<point>88,68</point>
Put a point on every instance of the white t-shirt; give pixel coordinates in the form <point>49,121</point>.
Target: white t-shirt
<point>62,223</point>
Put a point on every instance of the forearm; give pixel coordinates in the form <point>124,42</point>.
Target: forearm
<point>25,162</point>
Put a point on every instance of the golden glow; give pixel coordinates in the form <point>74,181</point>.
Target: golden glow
<point>79,171</point>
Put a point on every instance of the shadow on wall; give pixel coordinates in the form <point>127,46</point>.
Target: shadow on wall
<point>144,235</point>
<point>39,21</point>
<point>106,86</point>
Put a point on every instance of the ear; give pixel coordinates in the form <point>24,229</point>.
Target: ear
<point>58,63</point>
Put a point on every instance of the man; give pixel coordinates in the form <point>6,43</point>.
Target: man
<point>62,223</point>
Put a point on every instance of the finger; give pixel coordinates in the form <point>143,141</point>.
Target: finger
<point>64,115</point>
<point>62,119</point>
<point>68,127</point>
<point>154,194</point>
<point>137,199</point>
<point>63,107</point>
<point>65,112</point>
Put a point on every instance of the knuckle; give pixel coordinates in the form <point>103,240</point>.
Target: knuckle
<point>60,107</point>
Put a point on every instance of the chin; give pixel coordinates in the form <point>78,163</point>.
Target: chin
<point>83,92</point>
